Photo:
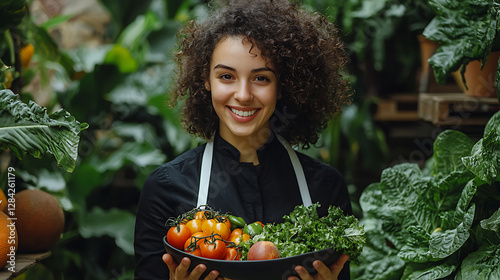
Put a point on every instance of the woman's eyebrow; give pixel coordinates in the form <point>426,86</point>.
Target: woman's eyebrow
<point>262,69</point>
<point>225,67</point>
<point>233,69</point>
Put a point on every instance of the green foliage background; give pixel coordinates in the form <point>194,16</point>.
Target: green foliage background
<point>120,89</point>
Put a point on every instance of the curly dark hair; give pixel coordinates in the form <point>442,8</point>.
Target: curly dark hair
<point>305,48</point>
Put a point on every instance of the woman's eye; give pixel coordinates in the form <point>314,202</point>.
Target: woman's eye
<point>262,79</point>
<point>225,77</point>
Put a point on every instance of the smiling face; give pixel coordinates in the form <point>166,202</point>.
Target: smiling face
<point>244,89</point>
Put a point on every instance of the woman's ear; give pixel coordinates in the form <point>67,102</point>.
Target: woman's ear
<point>207,85</point>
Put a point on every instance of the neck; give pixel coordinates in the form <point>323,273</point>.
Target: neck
<point>248,145</point>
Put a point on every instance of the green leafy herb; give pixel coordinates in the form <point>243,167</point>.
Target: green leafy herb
<point>303,231</point>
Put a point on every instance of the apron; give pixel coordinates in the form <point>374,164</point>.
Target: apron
<point>206,168</point>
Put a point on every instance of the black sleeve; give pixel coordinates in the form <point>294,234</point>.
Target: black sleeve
<point>152,212</point>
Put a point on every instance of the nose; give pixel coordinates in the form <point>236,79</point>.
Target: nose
<point>244,93</point>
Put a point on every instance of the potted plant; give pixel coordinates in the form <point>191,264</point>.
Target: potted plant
<point>467,34</point>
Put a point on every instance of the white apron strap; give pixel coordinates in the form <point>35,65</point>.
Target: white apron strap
<point>299,172</point>
<point>206,168</point>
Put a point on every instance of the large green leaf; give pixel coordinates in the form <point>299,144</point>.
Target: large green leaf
<point>466,31</point>
<point>29,129</point>
<point>449,148</point>
<point>443,244</point>
<point>115,223</point>
<point>493,222</point>
<point>431,270</point>
<point>482,264</point>
<point>484,161</point>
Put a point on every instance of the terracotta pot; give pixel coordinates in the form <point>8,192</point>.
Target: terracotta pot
<point>481,83</point>
<point>427,49</point>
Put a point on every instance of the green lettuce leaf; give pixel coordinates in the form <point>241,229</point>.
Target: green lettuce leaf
<point>482,264</point>
<point>493,222</point>
<point>484,161</point>
<point>449,148</point>
<point>493,124</point>
<point>431,270</point>
<point>443,244</point>
<point>28,129</point>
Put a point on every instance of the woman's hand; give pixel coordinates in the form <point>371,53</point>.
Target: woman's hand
<point>180,272</point>
<point>324,272</point>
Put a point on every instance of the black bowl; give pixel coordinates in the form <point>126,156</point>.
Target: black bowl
<point>252,270</point>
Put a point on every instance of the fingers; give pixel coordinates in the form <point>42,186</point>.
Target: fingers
<point>181,270</point>
<point>338,265</point>
<point>324,272</point>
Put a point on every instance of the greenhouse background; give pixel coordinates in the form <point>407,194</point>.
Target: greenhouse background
<point>108,63</point>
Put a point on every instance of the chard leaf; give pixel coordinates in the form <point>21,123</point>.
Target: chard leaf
<point>484,161</point>
<point>482,264</point>
<point>493,124</point>
<point>404,188</point>
<point>449,190</point>
<point>443,244</point>
<point>28,129</point>
<point>431,270</point>
<point>381,268</point>
<point>451,219</point>
<point>449,148</point>
<point>397,183</point>
<point>417,246</point>
<point>464,36</point>
<point>493,222</point>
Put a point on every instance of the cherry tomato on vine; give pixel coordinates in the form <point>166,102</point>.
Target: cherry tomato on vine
<point>212,226</point>
<point>194,225</point>
<point>232,254</point>
<point>177,236</point>
<point>213,249</point>
<point>196,252</point>
<point>192,239</point>
<point>200,215</point>
<point>227,222</point>
<point>237,236</point>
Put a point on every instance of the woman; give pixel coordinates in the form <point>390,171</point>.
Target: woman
<point>256,77</point>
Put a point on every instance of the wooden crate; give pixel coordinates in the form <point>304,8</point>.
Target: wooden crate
<point>23,263</point>
<point>398,107</point>
<point>444,109</point>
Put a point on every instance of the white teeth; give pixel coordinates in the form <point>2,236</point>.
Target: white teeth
<point>243,113</point>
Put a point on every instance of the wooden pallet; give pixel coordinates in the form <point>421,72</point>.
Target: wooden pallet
<point>398,107</point>
<point>23,263</point>
<point>456,109</point>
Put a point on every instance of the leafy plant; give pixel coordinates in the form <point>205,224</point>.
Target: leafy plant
<point>28,129</point>
<point>441,221</point>
<point>466,31</point>
<point>303,231</point>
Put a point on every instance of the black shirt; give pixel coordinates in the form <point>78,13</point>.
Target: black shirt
<point>265,192</point>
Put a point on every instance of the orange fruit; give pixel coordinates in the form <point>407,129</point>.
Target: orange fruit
<point>3,201</point>
<point>40,220</point>
<point>8,240</point>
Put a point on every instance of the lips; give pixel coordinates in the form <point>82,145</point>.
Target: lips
<point>243,114</point>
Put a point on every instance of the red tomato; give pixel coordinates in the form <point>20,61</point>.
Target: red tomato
<point>232,254</point>
<point>213,249</point>
<point>194,225</point>
<point>192,239</point>
<point>196,252</point>
<point>177,236</point>
<point>212,226</point>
